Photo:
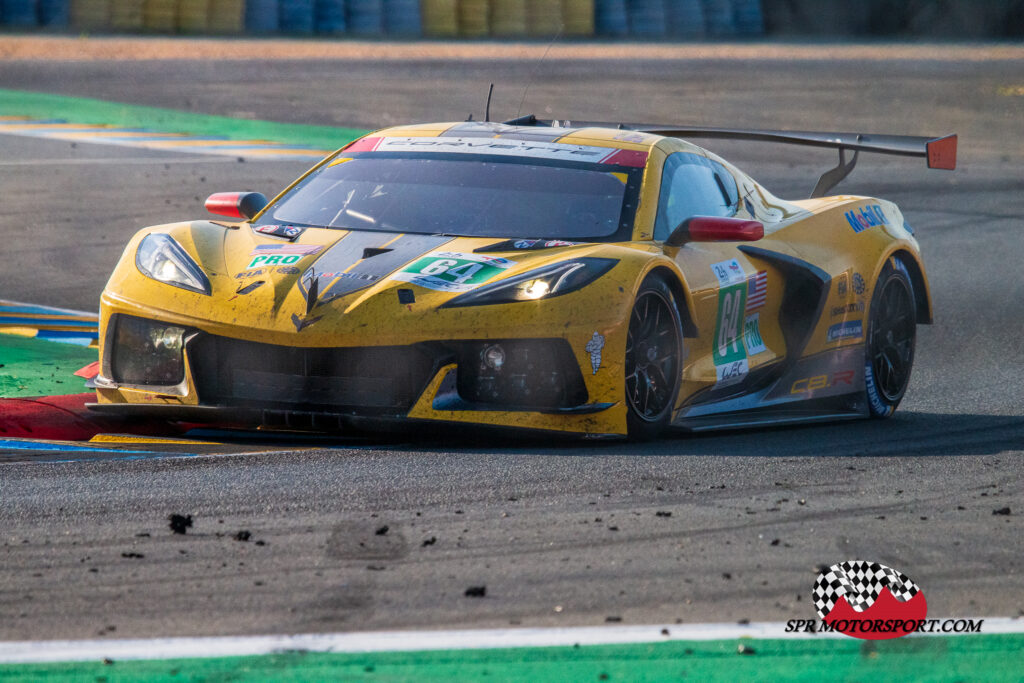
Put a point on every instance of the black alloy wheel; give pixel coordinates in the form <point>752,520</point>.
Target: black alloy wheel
<point>653,360</point>
<point>891,336</point>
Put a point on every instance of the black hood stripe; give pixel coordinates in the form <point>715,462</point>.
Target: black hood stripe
<point>343,270</point>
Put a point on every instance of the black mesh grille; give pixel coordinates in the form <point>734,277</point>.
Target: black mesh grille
<point>371,380</point>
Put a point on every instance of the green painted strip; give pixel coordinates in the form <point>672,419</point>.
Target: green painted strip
<point>935,659</point>
<point>91,111</point>
<point>35,367</point>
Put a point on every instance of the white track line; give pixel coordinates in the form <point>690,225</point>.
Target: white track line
<point>80,161</point>
<point>410,641</point>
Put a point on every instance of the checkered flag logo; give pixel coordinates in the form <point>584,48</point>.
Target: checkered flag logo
<point>860,583</point>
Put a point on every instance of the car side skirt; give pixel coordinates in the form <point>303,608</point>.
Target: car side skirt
<point>825,386</point>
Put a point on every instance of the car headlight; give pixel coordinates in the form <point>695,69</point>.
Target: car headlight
<point>542,283</point>
<point>164,260</point>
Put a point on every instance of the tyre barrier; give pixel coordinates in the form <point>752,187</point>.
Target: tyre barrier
<point>226,16</point>
<point>19,12</point>
<point>55,13</point>
<point>474,18</point>
<point>90,15</point>
<point>193,15</point>
<point>365,17</point>
<point>685,18</point>
<point>440,18</point>
<point>127,15</point>
<point>160,16</point>
<point>295,16</point>
<point>508,18</point>
<point>748,17</point>
<point>543,18</point>
<point>329,17</point>
<point>611,18</point>
<point>647,18</point>
<point>719,17</point>
<point>403,18</point>
<point>261,16</point>
<point>578,17</point>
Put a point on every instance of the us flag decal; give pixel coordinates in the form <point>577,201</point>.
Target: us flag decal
<point>757,291</point>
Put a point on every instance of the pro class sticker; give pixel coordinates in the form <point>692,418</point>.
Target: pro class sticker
<point>280,254</point>
<point>752,335</point>
<point>451,271</point>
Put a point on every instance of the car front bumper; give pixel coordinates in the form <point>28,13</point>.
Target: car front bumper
<point>552,384</point>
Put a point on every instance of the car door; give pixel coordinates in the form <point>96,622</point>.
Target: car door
<point>736,296</point>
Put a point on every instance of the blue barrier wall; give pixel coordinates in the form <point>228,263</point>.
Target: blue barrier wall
<point>18,12</point>
<point>637,19</point>
<point>402,18</point>
<point>295,16</point>
<point>646,18</point>
<point>330,16</point>
<point>54,12</point>
<point>366,17</point>
<point>261,16</point>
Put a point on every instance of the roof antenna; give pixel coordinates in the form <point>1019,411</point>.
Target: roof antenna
<point>536,68</point>
<point>487,112</point>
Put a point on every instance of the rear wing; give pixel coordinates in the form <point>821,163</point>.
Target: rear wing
<point>940,152</point>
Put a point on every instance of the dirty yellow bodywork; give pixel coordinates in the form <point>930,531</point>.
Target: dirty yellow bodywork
<point>817,232</point>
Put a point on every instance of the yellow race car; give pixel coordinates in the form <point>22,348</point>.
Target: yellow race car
<point>586,279</point>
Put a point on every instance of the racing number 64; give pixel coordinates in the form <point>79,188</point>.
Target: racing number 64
<point>444,267</point>
<point>728,331</point>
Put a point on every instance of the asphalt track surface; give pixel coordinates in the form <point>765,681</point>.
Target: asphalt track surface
<point>560,534</point>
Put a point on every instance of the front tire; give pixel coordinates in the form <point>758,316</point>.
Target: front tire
<point>653,363</point>
<point>891,334</point>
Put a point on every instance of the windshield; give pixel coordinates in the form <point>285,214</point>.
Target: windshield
<point>465,195</point>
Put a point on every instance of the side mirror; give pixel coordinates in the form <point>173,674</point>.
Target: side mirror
<point>715,229</point>
<point>236,204</point>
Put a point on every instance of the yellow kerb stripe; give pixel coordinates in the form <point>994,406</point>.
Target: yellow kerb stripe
<point>124,438</point>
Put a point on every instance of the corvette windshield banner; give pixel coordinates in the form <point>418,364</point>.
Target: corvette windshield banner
<point>504,147</point>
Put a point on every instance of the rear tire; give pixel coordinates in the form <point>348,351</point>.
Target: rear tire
<point>891,334</point>
<point>654,357</point>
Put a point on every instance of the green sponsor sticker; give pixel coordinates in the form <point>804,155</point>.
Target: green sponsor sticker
<point>752,335</point>
<point>452,271</point>
<point>274,260</point>
<point>730,355</point>
<point>732,302</point>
